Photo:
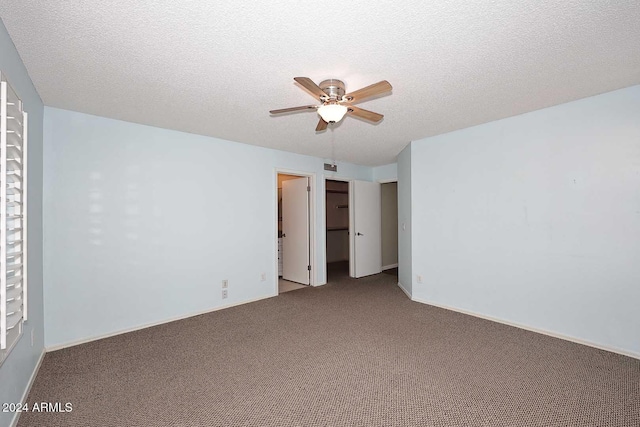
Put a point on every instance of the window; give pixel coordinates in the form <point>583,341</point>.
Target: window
<point>13,221</point>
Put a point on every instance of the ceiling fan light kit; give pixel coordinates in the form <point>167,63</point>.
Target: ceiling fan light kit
<point>332,113</point>
<point>335,103</point>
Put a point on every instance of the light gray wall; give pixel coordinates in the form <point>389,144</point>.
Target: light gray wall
<point>21,362</point>
<point>142,223</point>
<point>389,201</point>
<point>385,172</point>
<point>404,220</point>
<point>535,219</point>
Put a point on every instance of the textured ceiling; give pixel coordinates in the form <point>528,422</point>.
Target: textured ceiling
<point>217,67</point>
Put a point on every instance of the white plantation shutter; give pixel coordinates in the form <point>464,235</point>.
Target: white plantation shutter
<point>13,221</point>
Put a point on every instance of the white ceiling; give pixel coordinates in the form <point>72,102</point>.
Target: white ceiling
<point>217,67</point>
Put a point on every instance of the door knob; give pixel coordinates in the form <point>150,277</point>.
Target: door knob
<point>359,234</point>
<point>284,235</point>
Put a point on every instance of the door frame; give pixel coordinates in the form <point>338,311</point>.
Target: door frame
<point>324,218</point>
<point>312,223</point>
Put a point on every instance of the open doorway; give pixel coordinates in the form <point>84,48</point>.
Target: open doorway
<point>389,221</point>
<point>294,225</point>
<point>353,229</point>
<point>337,229</point>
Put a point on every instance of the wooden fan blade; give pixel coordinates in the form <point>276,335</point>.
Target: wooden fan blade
<point>369,91</point>
<point>309,85</point>
<point>322,125</point>
<point>289,110</point>
<point>364,114</point>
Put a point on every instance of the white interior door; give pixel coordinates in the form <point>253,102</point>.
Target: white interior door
<point>295,231</point>
<point>366,229</point>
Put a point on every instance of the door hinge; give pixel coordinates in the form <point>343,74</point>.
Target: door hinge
<point>309,188</point>
<point>309,267</point>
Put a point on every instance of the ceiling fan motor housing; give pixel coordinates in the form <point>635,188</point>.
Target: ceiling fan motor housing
<point>333,88</point>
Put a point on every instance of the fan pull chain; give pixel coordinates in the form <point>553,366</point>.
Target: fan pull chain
<point>333,146</point>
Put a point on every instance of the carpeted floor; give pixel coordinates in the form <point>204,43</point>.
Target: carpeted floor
<point>351,353</point>
<point>392,271</point>
<point>287,286</point>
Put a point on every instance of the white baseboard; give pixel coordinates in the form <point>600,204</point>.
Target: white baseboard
<point>389,267</point>
<point>149,325</point>
<point>532,329</point>
<point>401,286</point>
<point>23,399</point>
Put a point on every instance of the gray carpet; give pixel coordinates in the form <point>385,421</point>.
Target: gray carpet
<point>352,353</point>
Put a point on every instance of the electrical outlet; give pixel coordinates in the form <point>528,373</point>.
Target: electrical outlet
<point>225,284</point>
<point>224,293</point>
<point>419,277</point>
<point>263,277</point>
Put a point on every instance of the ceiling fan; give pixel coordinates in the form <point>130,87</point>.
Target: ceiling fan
<point>335,103</point>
